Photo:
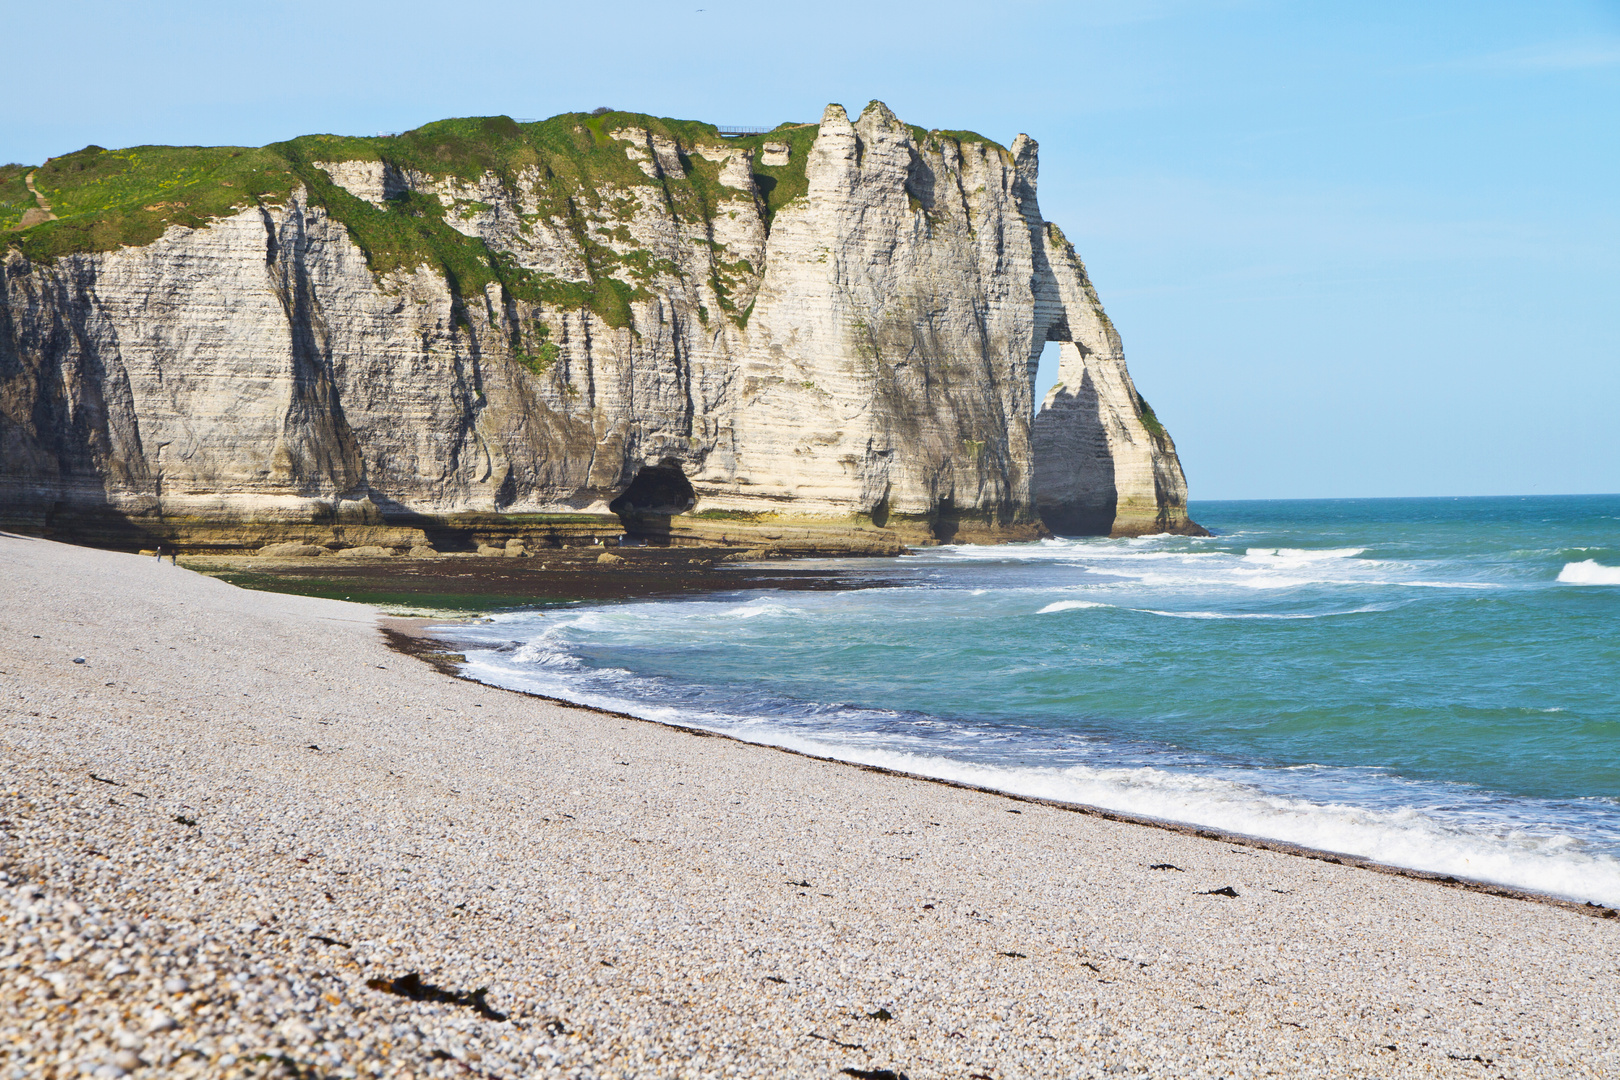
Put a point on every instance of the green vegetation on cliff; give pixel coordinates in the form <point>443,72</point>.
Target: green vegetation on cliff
<point>105,199</point>
<point>568,173</point>
<point>570,167</point>
<point>1149,419</point>
<point>781,184</point>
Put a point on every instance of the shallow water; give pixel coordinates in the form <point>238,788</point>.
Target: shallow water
<point>1425,682</point>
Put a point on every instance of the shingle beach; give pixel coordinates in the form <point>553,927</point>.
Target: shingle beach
<point>242,836</point>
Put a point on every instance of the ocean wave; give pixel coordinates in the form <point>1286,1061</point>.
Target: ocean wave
<point>1527,856</point>
<point>548,650</point>
<point>1062,714</point>
<point>1407,837</point>
<point>1068,549</point>
<point>1258,615</point>
<point>1439,584</point>
<point>1262,569</point>
<point>1299,555</point>
<point>754,609</point>
<point>1589,572</point>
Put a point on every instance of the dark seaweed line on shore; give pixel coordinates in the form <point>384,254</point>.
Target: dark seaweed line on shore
<point>402,636</point>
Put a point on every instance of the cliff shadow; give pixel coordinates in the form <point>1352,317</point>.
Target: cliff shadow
<point>86,517</point>
<point>1075,492</point>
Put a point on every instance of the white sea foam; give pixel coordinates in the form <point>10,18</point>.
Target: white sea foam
<point>755,608</point>
<point>1589,572</point>
<point>1167,562</point>
<point>1406,837</point>
<point>1506,840</point>
<point>1440,584</point>
<point>1064,550</point>
<point>1254,614</point>
<point>1299,555</point>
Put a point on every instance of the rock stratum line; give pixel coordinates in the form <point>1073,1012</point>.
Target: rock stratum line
<point>821,337</point>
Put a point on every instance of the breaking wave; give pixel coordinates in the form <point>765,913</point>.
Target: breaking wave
<point>1589,572</point>
<point>1070,605</point>
<point>1460,705</point>
<point>1258,614</point>
<point>1476,844</point>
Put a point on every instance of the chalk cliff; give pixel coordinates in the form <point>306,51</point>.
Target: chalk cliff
<point>823,336</point>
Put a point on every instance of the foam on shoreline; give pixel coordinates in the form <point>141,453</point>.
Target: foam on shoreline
<point>1549,867</point>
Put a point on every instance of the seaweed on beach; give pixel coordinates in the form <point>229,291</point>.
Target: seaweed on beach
<point>468,583</point>
<point>411,986</point>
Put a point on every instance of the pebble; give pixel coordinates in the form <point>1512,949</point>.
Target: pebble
<point>709,909</point>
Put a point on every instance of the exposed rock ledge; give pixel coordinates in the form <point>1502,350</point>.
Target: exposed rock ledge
<point>823,338</point>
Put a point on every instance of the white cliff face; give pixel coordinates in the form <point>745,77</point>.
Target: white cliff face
<point>374,181</point>
<point>867,358</point>
<point>885,370</point>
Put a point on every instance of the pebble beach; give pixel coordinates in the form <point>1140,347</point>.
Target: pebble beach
<point>241,835</point>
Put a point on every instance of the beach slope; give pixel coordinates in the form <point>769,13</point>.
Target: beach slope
<point>240,835</point>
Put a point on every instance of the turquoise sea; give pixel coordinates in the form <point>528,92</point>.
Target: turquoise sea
<point>1433,683</point>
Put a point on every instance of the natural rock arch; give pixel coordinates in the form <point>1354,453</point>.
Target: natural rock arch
<point>1103,465</point>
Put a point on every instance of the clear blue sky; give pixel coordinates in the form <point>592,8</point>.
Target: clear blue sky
<point>1353,248</point>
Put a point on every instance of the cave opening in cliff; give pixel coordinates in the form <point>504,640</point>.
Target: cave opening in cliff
<point>660,489</point>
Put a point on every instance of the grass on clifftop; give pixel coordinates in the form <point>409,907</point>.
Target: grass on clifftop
<point>570,165</point>
<point>106,199</point>
<point>781,184</point>
<point>959,137</point>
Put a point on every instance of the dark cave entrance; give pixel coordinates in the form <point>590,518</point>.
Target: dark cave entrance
<point>657,493</point>
<point>657,489</point>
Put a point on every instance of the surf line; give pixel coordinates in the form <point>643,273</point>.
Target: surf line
<point>409,637</point>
